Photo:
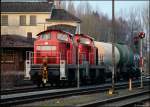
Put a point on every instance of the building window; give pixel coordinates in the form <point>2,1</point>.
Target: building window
<point>32,20</point>
<point>4,20</point>
<point>22,20</point>
<point>29,35</point>
<point>8,56</point>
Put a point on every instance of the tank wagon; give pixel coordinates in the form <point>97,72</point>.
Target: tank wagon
<point>58,56</point>
<point>126,65</point>
<point>124,60</point>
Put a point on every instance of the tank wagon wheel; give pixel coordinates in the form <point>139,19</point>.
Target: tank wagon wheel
<point>102,76</point>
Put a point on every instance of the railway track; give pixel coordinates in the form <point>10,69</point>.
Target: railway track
<point>121,101</point>
<point>27,97</point>
<point>26,89</point>
<point>34,88</point>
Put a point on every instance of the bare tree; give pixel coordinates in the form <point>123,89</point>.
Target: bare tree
<point>146,23</point>
<point>63,5</point>
<point>134,24</point>
<point>71,7</point>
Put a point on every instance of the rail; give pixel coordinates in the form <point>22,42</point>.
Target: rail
<point>118,101</point>
<point>27,97</point>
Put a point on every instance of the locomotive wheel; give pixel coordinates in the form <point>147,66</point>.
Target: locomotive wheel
<point>38,84</point>
<point>43,84</point>
<point>37,80</point>
<point>102,77</point>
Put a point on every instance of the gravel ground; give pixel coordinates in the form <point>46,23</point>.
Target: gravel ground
<point>80,99</point>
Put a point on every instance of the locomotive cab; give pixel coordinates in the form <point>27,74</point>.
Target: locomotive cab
<point>86,48</point>
<point>54,45</point>
<point>86,53</point>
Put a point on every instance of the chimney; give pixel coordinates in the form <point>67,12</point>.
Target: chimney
<point>50,1</point>
<point>29,36</point>
<point>57,4</point>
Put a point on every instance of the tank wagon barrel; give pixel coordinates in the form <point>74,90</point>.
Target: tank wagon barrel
<point>126,54</point>
<point>105,53</point>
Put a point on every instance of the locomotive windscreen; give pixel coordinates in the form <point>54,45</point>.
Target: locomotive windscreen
<point>84,41</point>
<point>46,48</point>
<point>63,37</point>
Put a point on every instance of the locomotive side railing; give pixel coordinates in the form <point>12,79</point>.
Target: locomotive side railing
<point>91,58</point>
<point>82,57</point>
<point>69,57</point>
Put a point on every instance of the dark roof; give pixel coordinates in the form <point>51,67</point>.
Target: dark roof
<point>50,30</point>
<point>16,41</point>
<point>26,7</point>
<point>24,0</point>
<point>63,27</point>
<point>61,14</point>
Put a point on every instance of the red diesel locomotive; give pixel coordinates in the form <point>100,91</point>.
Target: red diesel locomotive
<point>58,56</point>
<point>55,58</point>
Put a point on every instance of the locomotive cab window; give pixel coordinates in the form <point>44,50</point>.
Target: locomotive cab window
<point>85,41</point>
<point>62,37</point>
<point>45,36</point>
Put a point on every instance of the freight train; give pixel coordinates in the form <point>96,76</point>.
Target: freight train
<point>58,57</point>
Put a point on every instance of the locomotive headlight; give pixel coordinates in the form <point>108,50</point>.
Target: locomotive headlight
<point>38,48</point>
<point>46,43</point>
<point>45,48</point>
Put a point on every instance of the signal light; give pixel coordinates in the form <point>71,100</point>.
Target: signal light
<point>141,35</point>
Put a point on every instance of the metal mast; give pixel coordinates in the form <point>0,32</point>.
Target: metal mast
<point>113,47</point>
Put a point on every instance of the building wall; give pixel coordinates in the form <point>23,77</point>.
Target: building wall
<point>13,59</point>
<point>14,24</point>
<point>15,28</point>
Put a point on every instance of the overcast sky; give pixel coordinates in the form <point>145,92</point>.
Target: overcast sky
<point>106,6</point>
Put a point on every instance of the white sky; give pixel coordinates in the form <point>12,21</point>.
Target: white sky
<point>106,6</point>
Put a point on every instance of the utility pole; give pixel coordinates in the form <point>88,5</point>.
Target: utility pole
<point>113,47</point>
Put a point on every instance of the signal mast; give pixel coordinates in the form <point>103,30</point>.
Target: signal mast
<point>141,35</point>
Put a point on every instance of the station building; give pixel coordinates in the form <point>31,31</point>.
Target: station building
<point>21,21</point>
